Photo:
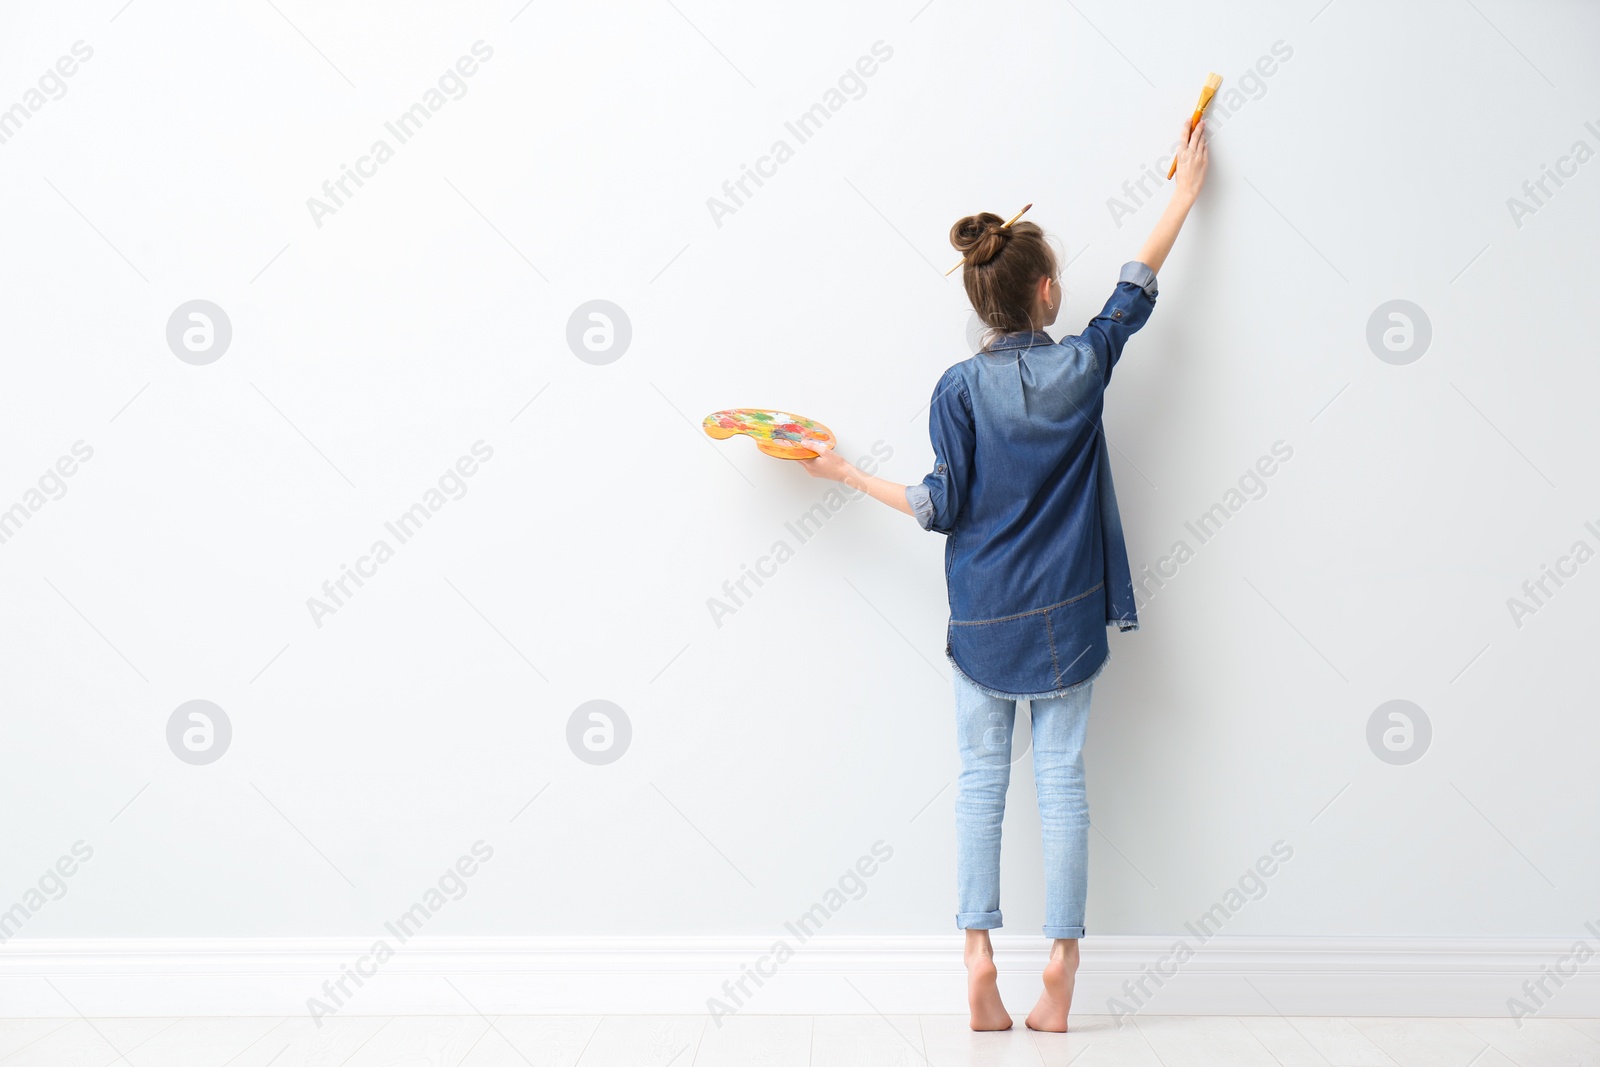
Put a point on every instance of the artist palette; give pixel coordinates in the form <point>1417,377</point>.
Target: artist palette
<point>777,433</point>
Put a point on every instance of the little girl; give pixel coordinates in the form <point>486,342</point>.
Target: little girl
<point>1034,561</point>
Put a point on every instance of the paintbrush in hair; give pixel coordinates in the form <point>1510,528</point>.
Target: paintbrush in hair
<point>1013,218</point>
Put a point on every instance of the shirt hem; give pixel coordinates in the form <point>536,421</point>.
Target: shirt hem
<point>1053,694</point>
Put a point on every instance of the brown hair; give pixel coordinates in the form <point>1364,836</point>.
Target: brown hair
<point>1000,267</point>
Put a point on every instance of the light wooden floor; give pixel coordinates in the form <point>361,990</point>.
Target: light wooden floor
<point>792,1041</point>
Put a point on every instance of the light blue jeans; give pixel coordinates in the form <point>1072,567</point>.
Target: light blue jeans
<point>983,729</point>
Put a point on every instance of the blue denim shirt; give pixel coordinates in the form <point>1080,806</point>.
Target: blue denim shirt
<point>1021,488</point>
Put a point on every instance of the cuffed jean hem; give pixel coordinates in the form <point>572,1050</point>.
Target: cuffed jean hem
<point>978,920</point>
<point>1069,933</point>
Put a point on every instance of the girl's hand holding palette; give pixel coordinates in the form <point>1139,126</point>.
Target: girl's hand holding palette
<point>777,433</point>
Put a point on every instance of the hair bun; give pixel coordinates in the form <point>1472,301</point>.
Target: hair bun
<point>979,238</point>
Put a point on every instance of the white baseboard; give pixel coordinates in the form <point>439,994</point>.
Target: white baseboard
<point>827,974</point>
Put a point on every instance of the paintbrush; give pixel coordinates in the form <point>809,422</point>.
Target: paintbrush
<point>1013,218</point>
<point>1213,83</point>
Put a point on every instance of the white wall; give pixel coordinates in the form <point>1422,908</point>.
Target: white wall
<point>769,752</point>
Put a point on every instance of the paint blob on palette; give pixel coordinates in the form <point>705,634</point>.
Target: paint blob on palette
<point>777,433</point>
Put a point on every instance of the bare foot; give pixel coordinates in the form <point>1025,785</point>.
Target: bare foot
<point>983,991</point>
<point>1050,1013</point>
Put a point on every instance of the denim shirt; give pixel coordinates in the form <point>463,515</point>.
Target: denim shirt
<point>1021,488</point>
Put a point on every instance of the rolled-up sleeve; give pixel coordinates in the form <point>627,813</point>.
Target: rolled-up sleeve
<point>1141,275</point>
<point>1127,310</point>
<point>936,500</point>
<point>921,501</point>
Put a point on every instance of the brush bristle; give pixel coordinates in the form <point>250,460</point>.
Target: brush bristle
<point>1213,82</point>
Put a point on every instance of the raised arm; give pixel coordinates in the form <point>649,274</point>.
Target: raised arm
<point>1191,176</point>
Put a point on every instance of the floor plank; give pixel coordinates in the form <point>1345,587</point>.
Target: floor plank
<point>756,1041</point>
<point>949,1041</point>
<point>300,1042</point>
<point>1430,1043</point>
<point>1096,1041</point>
<point>644,1041</point>
<point>17,1034</point>
<point>273,1027</point>
<point>199,1041</point>
<point>88,1043</point>
<point>1340,1043</point>
<point>794,1041</point>
<point>1588,1027</point>
<point>1203,1041</point>
<point>1546,1042</point>
<point>867,1041</point>
<point>539,1040</point>
<point>422,1041</point>
<point>1287,1044</point>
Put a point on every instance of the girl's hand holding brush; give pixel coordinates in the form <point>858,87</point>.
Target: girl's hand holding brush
<point>1208,93</point>
<point>1190,165</point>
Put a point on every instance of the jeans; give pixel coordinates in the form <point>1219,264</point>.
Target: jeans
<point>983,729</point>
